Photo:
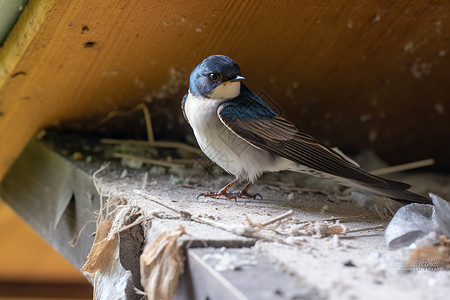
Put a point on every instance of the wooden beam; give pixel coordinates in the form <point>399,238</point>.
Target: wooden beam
<point>58,200</point>
<point>247,275</point>
<point>54,198</point>
<point>11,52</point>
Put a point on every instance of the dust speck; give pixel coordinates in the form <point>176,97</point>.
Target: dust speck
<point>139,82</point>
<point>418,69</point>
<point>373,135</point>
<point>439,108</point>
<point>365,117</point>
<point>409,47</point>
<point>438,27</point>
<point>109,73</point>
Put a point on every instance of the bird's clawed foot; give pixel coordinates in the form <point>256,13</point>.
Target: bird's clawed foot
<point>218,195</point>
<point>246,194</point>
<point>223,193</point>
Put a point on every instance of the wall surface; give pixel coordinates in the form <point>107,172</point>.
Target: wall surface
<point>370,74</point>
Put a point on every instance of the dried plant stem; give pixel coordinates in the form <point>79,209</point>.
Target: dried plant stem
<point>156,144</point>
<point>404,167</point>
<point>367,228</point>
<point>292,187</point>
<point>334,219</point>
<point>137,222</point>
<point>149,128</point>
<point>77,238</point>
<point>148,160</point>
<point>247,232</point>
<point>162,203</point>
<point>148,123</point>
<point>95,180</point>
<point>280,217</point>
<point>253,230</point>
<point>118,113</point>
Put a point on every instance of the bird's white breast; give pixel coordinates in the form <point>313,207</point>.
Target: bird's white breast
<point>209,131</point>
<point>222,146</point>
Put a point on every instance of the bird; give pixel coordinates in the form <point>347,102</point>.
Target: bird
<point>243,135</point>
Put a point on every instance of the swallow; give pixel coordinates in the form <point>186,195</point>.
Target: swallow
<point>243,135</point>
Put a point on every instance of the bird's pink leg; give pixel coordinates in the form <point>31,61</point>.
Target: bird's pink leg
<point>222,192</point>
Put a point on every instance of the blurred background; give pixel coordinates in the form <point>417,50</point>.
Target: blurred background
<point>30,268</point>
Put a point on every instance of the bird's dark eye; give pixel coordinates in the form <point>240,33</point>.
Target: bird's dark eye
<point>213,76</point>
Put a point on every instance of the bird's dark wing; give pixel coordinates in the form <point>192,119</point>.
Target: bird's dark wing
<point>254,122</point>
<point>183,103</point>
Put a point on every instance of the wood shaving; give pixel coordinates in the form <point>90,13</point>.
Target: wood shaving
<point>102,251</point>
<point>274,220</point>
<point>319,229</point>
<point>161,264</point>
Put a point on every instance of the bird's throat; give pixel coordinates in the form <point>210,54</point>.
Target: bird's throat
<point>226,90</point>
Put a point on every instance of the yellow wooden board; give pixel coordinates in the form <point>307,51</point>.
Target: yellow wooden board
<point>26,257</point>
<point>331,64</point>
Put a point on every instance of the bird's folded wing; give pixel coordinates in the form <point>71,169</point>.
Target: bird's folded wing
<point>264,129</point>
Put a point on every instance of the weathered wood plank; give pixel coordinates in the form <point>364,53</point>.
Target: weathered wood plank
<point>239,274</point>
<point>335,68</point>
<point>40,185</point>
<point>57,198</point>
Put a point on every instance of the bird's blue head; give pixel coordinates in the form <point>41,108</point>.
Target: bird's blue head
<point>216,77</point>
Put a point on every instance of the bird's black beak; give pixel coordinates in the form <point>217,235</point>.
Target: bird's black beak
<point>237,78</point>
